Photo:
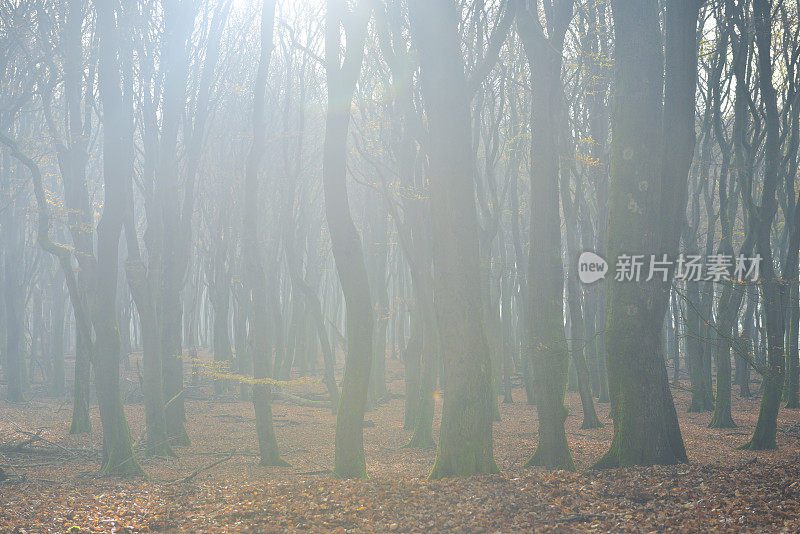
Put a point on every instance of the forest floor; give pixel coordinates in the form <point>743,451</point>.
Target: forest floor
<point>721,489</point>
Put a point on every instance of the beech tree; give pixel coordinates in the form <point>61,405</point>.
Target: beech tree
<point>646,199</point>
<point>363,205</point>
<point>342,74</point>
<point>465,442</point>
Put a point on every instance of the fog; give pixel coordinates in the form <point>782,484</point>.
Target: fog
<point>466,228</point>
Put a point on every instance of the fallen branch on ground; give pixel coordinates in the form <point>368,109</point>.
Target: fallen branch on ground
<point>196,472</point>
<point>300,401</point>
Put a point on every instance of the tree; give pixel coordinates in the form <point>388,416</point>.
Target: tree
<point>652,147</point>
<point>547,340</point>
<point>465,441</point>
<point>774,292</point>
<point>255,278</point>
<point>342,74</point>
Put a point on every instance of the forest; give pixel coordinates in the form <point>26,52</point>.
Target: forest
<point>399,266</point>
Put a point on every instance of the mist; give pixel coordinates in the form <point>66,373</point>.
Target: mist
<point>423,259</point>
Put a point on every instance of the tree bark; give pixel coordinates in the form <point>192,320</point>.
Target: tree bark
<point>647,196</point>
<point>465,439</point>
<point>255,277</point>
<point>348,252</point>
<point>545,316</point>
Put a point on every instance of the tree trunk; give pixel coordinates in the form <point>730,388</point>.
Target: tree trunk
<point>427,373</point>
<point>255,277</point>
<point>221,304</point>
<point>791,394</point>
<point>348,252</point>
<point>645,207</point>
<point>57,380</point>
<point>244,363</point>
<point>118,456</point>
<point>545,308</point>
<point>80,423</point>
<point>14,359</point>
<point>465,439</point>
<point>774,291</point>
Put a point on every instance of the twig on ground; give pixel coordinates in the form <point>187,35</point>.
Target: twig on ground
<point>38,437</point>
<point>213,464</point>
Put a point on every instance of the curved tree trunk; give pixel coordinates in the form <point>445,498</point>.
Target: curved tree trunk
<point>774,291</point>
<point>348,252</point>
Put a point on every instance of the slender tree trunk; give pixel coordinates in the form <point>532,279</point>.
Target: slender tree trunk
<point>348,252</point>
<point>80,423</point>
<point>57,380</point>
<point>243,358</point>
<point>702,397</point>
<point>14,359</point>
<point>791,394</point>
<point>427,373</point>
<point>411,358</point>
<point>221,304</point>
<point>508,328</point>
<point>178,24</point>
<point>673,338</point>
<point>578,342</point>
<point>545,324</point>
<point>773,290</point>
<point>255,277</point>
<point>118,456</point>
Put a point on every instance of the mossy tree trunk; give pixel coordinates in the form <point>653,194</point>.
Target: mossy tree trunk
<point>647,199</point>
<point>348,251</point>
<point>80,423</point>
<point>118,456</point>
<point>465,439</point>
<point>774,290</point>
<point>545,309</point>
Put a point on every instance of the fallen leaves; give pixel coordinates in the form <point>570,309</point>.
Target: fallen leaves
<point>723,489</point>
<point>747,497</point>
